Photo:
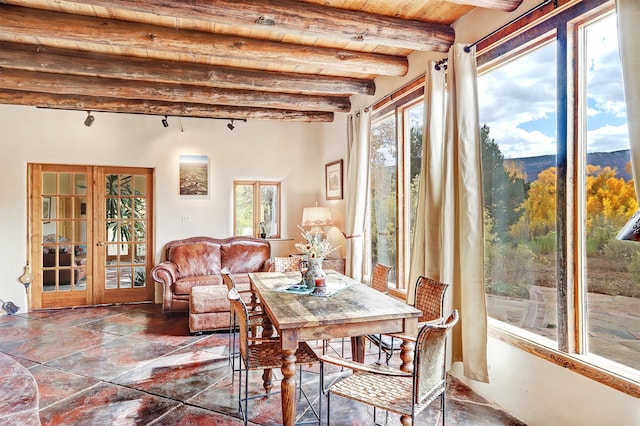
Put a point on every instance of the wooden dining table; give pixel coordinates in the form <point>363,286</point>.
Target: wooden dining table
<point>354,310</point>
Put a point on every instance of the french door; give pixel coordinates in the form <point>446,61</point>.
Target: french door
<point>90,235</point>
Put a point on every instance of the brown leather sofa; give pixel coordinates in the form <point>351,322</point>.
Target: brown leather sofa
<point>197,261</point>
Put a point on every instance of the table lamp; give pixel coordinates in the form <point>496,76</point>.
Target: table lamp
<point>315,217</point>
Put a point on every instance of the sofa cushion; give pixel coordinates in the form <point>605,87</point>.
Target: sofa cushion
<point>211,298</point>
<point>196,258</point>
<point>184,285</point>
<point>244,256</point>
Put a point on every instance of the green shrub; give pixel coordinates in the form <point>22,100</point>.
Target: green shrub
<point>634,266</point>
<point>509,270</point>
<point>599,237</point>
<point>619,254</point>
<point>499,288</point>
<point>545,244</point>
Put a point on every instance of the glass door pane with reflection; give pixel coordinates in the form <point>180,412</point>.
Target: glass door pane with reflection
<point>64,232</point>
<point>126,231</point>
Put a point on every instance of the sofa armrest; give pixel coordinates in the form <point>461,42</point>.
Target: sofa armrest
<point>165,273</point>
<point>268,266</point>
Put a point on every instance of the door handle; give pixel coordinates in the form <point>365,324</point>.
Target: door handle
<point>100,243</point>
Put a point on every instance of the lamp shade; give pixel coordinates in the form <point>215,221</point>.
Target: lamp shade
<point>316,216</point>
<point>631,230</point>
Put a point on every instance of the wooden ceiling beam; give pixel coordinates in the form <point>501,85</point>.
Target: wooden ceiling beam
<point>299,18</point>
<point>148,107</point>
<point>64,61</point>
<point>107,87</point>
<point>500,5</point>
<point>49,28</point>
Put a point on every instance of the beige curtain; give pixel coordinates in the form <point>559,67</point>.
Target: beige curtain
<point>427,239</point>
<point>357,191</point>
<point>628,12</point>
<point>451,248</point>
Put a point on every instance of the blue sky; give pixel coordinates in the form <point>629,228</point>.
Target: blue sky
<point>518,99</point>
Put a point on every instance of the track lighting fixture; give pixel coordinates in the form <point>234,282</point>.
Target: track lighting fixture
<point>89,120</point>
<point>230,126</point>
<point>165,122</point>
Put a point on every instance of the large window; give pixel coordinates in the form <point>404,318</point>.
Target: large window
<point>256,208</point>
<point>558,187</point>
<point>518,109</point>
<point>612,269</point>
<point>396,157</point>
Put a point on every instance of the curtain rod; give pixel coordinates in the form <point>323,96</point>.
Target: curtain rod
<point>390,97</point>
<point>544,3</point>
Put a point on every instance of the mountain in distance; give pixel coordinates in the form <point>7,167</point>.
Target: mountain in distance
<point>532,166</point>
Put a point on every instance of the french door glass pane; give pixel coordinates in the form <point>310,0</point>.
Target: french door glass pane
<point>518,116</point>
<point>64,231</point>
<point>613,267</point>
<point>383,207</point>
<point>125,235</point>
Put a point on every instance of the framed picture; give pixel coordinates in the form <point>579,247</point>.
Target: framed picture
<point>194,175</point>
<point>46,207</point>
<point>333,180</point>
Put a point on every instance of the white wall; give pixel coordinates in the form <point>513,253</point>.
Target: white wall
<point>539,392</point>
<point>291,152</point>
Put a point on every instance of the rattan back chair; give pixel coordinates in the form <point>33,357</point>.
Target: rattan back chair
<point>256,318</point>
<point>429,298</point>
<point>396,391</point>
<point>262,353</point>
<point>286,264</point>
<point>380,277</point>
<point>380,282</point>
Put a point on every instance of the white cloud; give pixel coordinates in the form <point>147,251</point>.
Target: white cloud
<point>518,99</point>
<point>608,138</point>
<point>517,143</point>
<point>516,94</point>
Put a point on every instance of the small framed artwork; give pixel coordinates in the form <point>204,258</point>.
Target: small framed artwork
<point>333,180</point>
<point>194,175</point>
<point>46,208</point>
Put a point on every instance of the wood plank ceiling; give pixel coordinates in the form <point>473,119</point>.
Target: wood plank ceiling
<point>238,59</point>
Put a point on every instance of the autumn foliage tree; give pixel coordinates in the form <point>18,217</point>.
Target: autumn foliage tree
<point>610,199</point>
<point>539,209</point>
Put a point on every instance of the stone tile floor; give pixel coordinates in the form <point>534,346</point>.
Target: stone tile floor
<point>129,365</point>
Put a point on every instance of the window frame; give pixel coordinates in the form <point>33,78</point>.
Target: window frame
<point>398,104</point>
<point>565,25</point>
<point>257,203</point>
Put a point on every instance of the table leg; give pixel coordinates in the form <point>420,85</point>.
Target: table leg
<point>407,355</point>
<point>357,348</point>
<point>267,374</point>
<point>254,300</point>
<point>288,387</point>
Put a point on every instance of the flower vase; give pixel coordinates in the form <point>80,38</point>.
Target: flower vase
<point>314,271</point>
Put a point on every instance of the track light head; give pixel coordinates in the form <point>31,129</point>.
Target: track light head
<point>89,120</point>
<point>231,126</point>
<point>165,122</point>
